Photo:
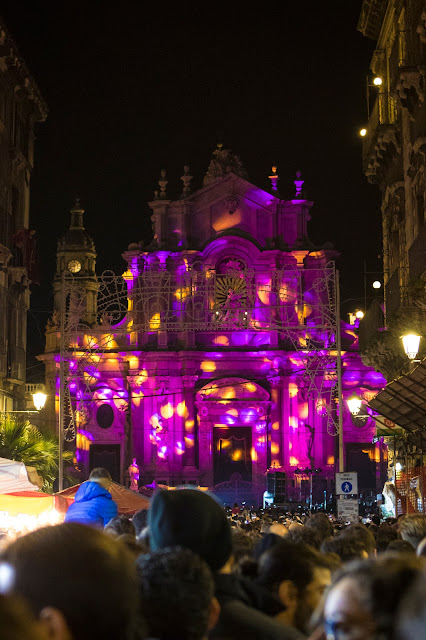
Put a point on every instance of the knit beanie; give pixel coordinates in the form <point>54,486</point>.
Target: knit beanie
<point>191,519</point>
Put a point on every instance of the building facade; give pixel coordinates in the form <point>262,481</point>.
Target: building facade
<point>394,158</point>
<point>21,107</point>
<point>213,359</point>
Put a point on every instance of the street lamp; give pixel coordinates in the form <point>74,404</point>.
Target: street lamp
<point>39,400</point>
<point>363,132</point>
<point>354,404</point>
<point>377,284</point>
<point>411,343</point>
<point>377,83</point>
<point>359,314</point>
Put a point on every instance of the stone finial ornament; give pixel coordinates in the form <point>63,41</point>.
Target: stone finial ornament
<point>298,183</point>
<point>186,179</point>
<point>162,183</point>
<point>274,177</point>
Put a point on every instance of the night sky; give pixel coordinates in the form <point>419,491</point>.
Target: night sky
<point>133,87</point>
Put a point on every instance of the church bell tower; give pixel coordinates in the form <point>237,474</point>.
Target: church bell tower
<point>76,256</point>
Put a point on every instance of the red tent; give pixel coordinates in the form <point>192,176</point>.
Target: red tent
<point>128,502</point>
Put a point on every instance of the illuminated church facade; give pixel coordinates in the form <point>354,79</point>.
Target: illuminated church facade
<point>212,360</point>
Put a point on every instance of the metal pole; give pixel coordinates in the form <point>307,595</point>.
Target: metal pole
<point>61,387</point>
<point>339,374</point>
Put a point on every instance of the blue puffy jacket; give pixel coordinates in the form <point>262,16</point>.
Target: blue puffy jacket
<point>93,505</point>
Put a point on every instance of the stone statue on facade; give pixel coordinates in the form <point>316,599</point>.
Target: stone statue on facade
<point>134,475</point>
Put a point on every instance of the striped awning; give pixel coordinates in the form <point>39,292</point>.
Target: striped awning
<point>14,477</point>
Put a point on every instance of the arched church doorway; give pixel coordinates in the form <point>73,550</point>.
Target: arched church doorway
<point>233,414</point>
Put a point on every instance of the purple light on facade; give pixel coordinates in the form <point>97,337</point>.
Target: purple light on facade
<point>248,415</point>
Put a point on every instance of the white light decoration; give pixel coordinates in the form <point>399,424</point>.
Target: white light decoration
<point>363,132</point>
<point>39,400</point>
<point>377,81</point>
<point>359,314</point>
<point>377,284</point>
<point>398,467</point>
<point>354,404</point>
<point>411,343</point>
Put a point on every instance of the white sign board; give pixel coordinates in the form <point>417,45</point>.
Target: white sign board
<point>346,483</point>
<point>348,509</point>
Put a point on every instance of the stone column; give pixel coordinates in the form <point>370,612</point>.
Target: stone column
<point>276,439</point>
<point>189,431</point>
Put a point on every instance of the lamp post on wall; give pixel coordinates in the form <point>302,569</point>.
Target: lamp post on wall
<point>39,400</point>
<point>411,343</point>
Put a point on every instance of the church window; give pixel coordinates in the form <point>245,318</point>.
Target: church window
<point>231,293</point>
<point>105,416</point>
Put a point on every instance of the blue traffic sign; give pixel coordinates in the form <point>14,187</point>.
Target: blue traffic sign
<point>347,487</point>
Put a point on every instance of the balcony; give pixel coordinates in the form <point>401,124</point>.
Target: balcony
<point>380,144</point>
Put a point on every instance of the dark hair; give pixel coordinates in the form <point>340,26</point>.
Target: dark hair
<point>346,547</point>
<point>286,561</point>
<point>98,473</point>
<point>83,573</point>
<point>383,583</point>
<point>176,588</point>
<point>321,524</point>
<point>400,546</point>
<point>384,536</point>
<point>268,541</point>
<point>242,545</point>
<point>119,526</point>
<point>304,535</point>
<point>140,520</point>
<point>361,534</point>
<point>411,622</point>
<point>135,547</point>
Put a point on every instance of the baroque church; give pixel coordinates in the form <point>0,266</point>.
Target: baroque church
<point>213,360</point>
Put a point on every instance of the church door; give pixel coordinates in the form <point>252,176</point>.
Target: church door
<point>107,456</point>
<point>232,453</point>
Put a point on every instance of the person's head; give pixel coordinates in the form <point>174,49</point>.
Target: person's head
<point>176,595</point>
<point>375,520</point>
<point>321,524</point>
<point>132,545</point>
<point>413,528</point>
<point>120,525</point>
<point>400,546</point>
<point>242,545</point>
<point>304,535</point>
<point>78,581</point>
<point>298,576</point>
<point>384,536</point>
<point>362,535</point>
<point>363,601</point>
<point>101,476</point>
<point>17,621</point>
<point>346,547</point>
<point>191,519</point>
<point>140,520</point>
<point>411,623</point>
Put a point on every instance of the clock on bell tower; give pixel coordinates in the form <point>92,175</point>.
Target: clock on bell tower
<point>76,257</point>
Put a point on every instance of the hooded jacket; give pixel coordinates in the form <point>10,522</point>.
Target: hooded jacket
<point>93,505</point>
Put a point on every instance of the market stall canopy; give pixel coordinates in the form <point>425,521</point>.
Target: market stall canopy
<point>128,502</point>
<point>14,477</point>
<point>404,400</point>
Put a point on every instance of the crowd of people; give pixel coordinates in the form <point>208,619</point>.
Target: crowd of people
<point>188,569</point>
